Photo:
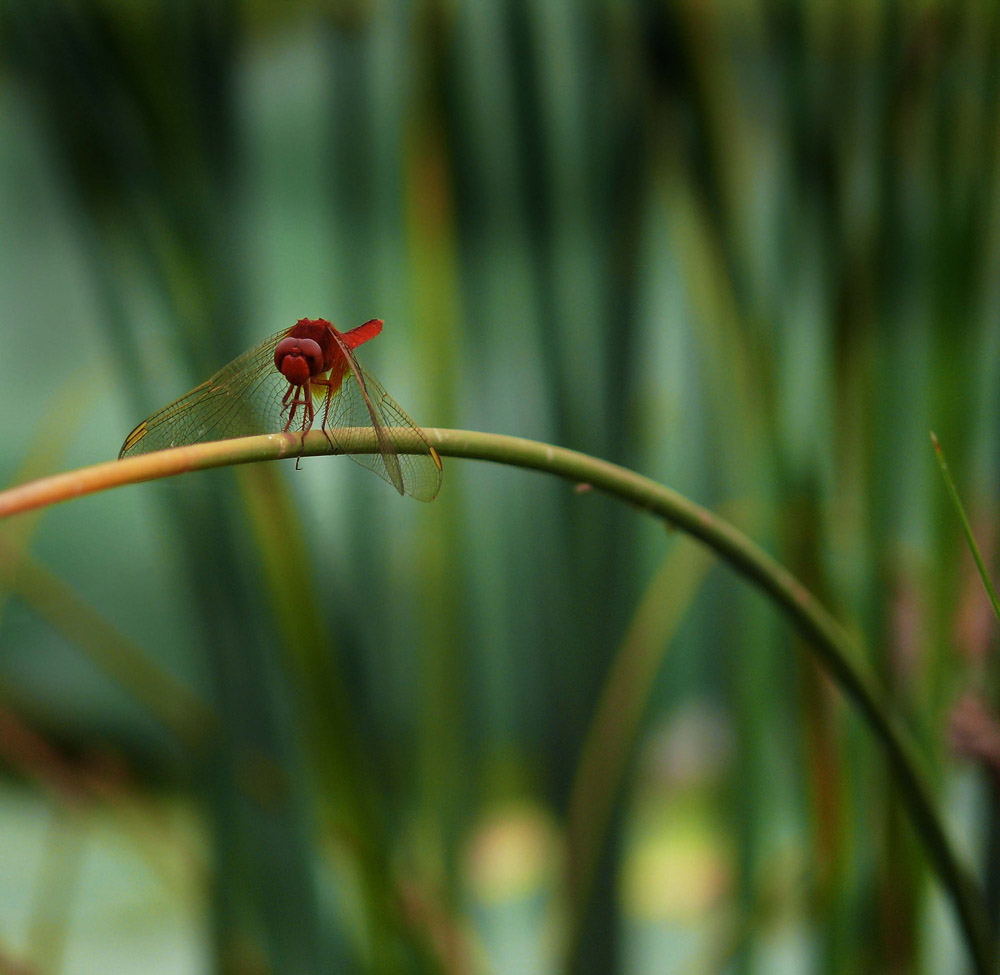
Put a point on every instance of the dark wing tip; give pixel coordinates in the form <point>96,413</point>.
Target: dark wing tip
<point>132,439</point>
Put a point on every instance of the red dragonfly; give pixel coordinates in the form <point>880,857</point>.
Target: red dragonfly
<point>301,373</point>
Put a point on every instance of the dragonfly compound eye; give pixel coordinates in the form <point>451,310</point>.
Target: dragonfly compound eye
<point>298,359</point>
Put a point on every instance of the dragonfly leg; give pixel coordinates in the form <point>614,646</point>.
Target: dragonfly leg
<point>329,383</point>
<point>291,407</point>
<point>308,413</point>
<point>303,398</point>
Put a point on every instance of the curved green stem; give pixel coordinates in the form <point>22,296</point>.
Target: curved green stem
<point>833,646</point>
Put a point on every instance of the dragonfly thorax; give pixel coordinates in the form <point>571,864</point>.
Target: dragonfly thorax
<point>298,359</point>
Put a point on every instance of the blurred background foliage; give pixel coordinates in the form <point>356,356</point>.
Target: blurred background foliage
<point>275,721</point>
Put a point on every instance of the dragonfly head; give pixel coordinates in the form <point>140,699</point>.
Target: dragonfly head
<point>298,359</point>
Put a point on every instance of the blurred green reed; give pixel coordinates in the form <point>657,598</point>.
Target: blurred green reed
<point>748,249</point>
<point>970,538</point>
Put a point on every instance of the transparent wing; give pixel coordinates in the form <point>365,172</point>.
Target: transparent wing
<point>361,403</point>
<point>241,400</point>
